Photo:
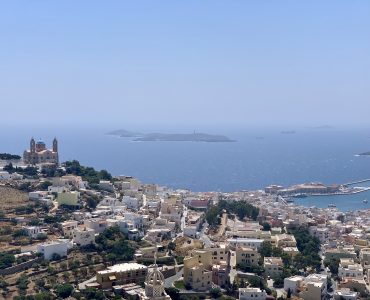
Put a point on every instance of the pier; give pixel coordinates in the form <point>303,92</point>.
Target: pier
<point>356,182</point>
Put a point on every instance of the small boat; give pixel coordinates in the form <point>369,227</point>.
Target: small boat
<point>332,205</point>
<point>301,195</point>
<point>365,201</point>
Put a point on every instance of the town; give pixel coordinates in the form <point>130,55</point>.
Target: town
<point>69,231</point>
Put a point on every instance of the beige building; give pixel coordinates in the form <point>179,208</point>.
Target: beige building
<point>197,275</point>
<point>284,240</point>
<point>83,236</point>
<point>365,258</point>
<point>273,266</point>
<point>121,274</point>
<point>68,228</point>
<point>38,154</point>
<point>246,256</point>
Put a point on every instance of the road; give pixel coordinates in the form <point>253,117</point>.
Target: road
<point>204,237</point>
<point>168,282</point>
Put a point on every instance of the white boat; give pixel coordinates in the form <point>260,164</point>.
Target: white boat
<point>365,201</point>
<point>332,205</point>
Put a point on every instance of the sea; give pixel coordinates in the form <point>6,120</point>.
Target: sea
<point>259,157</point>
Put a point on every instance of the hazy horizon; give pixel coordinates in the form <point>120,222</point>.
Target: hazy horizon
<point>192,64</point>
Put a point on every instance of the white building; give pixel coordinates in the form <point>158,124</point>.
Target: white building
<point>132,202</point>
<point>33,231</point>
<point>83,237</point>
<point>349,269</point>
<point>345,294</point>
<point>322,233</point>
<point>252,294</point>
<point>97,224</point>
<point>53,247</point>
<point>245,242</point>
<point>190,231</point>
<point>4,175</point>
<point>293,283</point>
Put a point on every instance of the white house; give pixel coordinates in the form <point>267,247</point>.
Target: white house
<point>4,175</point>
<point>293,283</point>
<point>97,224</point>
<point>345,294</point>
<point>132,202</point>
<point>190,231</point>
<point>252,294</point>
<point>83,237</point>
<point>32,231</point>
<point>349,269</point>
<point>245,242</point>
<point>53,247</point>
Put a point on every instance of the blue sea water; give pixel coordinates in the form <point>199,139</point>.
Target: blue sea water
<point>259,157</point>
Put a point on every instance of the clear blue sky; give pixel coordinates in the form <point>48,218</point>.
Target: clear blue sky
<point>185,62</point>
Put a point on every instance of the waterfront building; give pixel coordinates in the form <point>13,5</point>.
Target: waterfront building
<point>38,154</point>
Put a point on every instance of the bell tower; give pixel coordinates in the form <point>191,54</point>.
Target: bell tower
<point>154,283</point>
<point>55,145</point>
<point>32,146</point>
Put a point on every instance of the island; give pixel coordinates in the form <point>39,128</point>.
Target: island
<point>7,156</point>
<point>183,137</point>
<point>170,137</point>
<point>124,133</point>
<point>365,154</point>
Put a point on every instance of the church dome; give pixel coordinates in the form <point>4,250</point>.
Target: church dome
<point>155,277</point>
<point>40,142</point>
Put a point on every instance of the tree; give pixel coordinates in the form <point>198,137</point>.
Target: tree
<point>289,294</point>
<point>215,292</point>
<point>265,249</point>
<point>174,293</point>
<point>266,226</point>
<point>6,260</point>
<point>22,283</point>
<point>64,290</point>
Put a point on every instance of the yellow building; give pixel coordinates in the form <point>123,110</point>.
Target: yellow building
<point>196,275</point>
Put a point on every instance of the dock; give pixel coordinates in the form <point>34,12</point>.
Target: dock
<point>356,182</point>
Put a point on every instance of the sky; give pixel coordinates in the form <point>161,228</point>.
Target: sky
<point>127,64</point>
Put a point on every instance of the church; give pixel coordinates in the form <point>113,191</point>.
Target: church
<point>38,154</point>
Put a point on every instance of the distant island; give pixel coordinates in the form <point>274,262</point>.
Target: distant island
<point>365,154</point>
<point>183,137</point>
<point>171,137</point>
<point>7,156</point>
<point>124,133</point>
<point>288,132</point>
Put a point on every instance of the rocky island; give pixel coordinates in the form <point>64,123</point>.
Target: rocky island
<point>124,133</point>
<point>170,137</point>
<point>365,153</point>
<point>183,137</point>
